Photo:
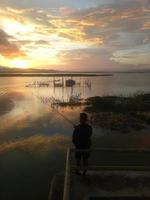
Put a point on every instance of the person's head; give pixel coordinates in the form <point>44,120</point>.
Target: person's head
<point>83,118</point>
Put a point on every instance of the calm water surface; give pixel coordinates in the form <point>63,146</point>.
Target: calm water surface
<point>34,137</point>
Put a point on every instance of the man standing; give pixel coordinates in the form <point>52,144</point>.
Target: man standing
<point>82,140</point>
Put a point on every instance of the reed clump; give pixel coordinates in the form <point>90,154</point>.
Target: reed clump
<point>121,113</point>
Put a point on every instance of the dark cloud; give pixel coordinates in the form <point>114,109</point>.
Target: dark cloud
<point>9,49</point>
<point>4,38</point>
<point>32,42</point>
<point>42,42</point>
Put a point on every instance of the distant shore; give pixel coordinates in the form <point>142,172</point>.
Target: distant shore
<point>53,74</point>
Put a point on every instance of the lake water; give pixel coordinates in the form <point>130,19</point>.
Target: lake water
<point>34,137</point>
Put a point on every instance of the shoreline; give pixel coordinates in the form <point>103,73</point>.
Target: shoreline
<point>51,74</point>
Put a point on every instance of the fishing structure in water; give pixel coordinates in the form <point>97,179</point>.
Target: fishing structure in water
<point>58,83</point>
<point>72,93</point>
<point>53,103</point>
<point>39,84</point>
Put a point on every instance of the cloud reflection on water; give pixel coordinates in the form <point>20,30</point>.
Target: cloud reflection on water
<point>29,116</point>
<point>7,101</point>
<point>37,144</point>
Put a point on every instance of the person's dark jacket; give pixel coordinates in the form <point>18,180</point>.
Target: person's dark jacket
<point>82,136</point>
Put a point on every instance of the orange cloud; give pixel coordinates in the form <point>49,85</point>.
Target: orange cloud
<point>8,49</point>
<point>43,35</point>
<point>146,26</point>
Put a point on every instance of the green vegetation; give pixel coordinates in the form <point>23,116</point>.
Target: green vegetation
<point>140,102</point>
<point>122,114</point>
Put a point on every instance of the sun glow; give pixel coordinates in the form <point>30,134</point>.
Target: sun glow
<point>16,27</point>
<point>22,64</point>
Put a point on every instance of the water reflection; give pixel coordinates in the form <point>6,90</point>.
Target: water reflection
<point>22,114</point>
<point>28,116</point>
<point>34,137</point>
<point>27,166</point>
<point>36,144</point>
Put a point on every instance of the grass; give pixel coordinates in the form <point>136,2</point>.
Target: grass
<point>137,103</point>
<point>122,114</point>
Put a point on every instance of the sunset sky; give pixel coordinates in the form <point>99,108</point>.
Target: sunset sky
<point>91,35</point>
